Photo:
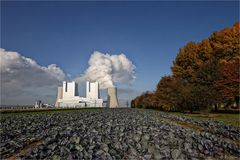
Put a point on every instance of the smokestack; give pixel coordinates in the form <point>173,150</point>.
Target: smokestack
<point>112,97</point>
<point>59,96</point>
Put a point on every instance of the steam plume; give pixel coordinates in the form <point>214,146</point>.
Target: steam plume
<point>109,70</point>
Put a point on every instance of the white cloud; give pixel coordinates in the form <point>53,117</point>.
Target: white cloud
<point>24,80</point>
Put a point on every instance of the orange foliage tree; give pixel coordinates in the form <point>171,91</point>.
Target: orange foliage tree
<point>205,73</point>
<point>229,81</point>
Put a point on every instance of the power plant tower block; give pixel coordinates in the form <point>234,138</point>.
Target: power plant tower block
<point>67,95</point>
<point>112,97</point>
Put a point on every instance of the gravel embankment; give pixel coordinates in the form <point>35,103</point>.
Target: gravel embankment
<point>114,134</point>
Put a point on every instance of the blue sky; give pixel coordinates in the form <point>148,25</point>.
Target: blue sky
<point>148,33</point>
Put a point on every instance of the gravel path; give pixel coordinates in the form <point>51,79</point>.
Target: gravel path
<point>114,134</point>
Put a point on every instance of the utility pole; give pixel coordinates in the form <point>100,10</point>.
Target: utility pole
<point>127,103</point>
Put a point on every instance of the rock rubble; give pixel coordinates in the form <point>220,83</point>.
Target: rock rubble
<point>115,134</point>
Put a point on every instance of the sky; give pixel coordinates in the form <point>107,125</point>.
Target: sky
<point>61,37</point>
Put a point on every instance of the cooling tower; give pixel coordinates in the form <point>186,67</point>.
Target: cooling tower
<point>112,97</point>
<point>59,96</point>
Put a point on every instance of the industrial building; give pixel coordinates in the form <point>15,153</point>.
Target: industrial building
<point>67,96</point>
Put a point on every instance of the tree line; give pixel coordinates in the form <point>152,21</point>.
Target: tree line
<point>205,76</point>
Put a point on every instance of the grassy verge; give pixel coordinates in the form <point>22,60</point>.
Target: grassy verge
<point>229,119</point>
<point>43,110</point>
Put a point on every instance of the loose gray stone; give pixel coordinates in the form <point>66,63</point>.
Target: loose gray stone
<point>56,157</point>
<point>146,137</point>
<point>79,148</point>
<point>104,147</point>
<point>176,153</point>
<point>200,147</point>
<point>137,138</point>
<point>75,139</point>
<point>99,152</point>
<point>132,151</point>
<point>147,156</point>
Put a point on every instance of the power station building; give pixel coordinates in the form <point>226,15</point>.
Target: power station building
<point>67,95</point>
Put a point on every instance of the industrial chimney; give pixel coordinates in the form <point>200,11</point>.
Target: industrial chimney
<point>112,97</point>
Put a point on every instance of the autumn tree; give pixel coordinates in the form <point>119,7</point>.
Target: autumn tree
<point>186,62</point>
<point>204,92</point>
<point>205,73</point>
<point>137,102</point>
<point>222,45</point>
<point>172,94</point>
<point>163,93</point>
<point>229,81</point>
<point>194,64</point>
<point>225,43</point>
<point>146,100</point>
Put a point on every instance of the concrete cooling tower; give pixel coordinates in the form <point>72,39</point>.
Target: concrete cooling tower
<point>112,97</point>
<point>59,96</point>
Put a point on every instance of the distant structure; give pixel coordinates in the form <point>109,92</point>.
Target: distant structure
<point>38,104</point>
<point>67,95</point>
<point>112,97</point>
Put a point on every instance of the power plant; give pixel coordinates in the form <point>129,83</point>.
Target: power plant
<point>112,97</point>
<point>67,96</point>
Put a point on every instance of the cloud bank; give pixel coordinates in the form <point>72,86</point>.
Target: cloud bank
<point>21,75</point>
<point>108,70</point>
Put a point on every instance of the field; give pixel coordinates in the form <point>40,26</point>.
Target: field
<point>115,134</point>
<point>228,119</point>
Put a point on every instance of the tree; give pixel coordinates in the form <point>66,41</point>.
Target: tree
<point>205,73</point>
<point>225,43</point>
<point>146,100</point>
<point>222,45</point>
<point>173,93</point>
<point>204,90</point>
<point>132,103</point>
<point>163,93</point>
<point>228,83</point>
<point>196,64</point>
<point>186,62</point>
<point>136,103</point>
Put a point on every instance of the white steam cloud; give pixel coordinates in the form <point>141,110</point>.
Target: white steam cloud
<point>108,70</point>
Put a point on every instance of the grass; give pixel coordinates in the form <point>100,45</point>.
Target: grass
<point>229,119</point>
<point>43,110</point>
